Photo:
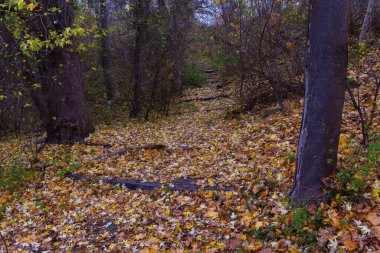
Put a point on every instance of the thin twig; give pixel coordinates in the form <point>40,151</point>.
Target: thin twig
<point>5,243</point>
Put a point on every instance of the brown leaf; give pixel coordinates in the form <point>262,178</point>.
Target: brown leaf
<point>351,245</point>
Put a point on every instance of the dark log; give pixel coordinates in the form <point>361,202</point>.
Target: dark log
<point>179,184</point>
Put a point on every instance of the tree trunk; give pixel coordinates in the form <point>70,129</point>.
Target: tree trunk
<point>112,89</point>
<point>181,22</point>
<point>367,21</point>
<point>325,77</point>
<point>61,99</point>
<point>65,99</point>
<point>141,9</point>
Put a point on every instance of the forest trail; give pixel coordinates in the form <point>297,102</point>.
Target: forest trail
<point>253,155</point>
<point>215,96</point>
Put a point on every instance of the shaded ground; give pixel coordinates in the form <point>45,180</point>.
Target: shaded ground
<point>251,154</point>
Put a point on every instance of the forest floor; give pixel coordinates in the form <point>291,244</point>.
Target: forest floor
<point>253,155</point>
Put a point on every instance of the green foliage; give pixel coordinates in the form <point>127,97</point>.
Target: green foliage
<point>318,219</point>
<point>15,176</point>
<point>190,105</point>
<point>300,217</point>
<point>260,234</point>
<point>355,180</point>
<point>193,77</point>
<point>289,158</point>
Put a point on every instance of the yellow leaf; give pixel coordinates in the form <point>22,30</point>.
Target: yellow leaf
<point>211,182</point>
<point>342,141</point>
<point>31,7</point>
<point>258,224</point>
<point>229,195</point>
<point>246,219</point>
<point>140,236</point>
<point>273,137</point>
<point>112,246</point>
<point>334,218</point>
<point>211,214</point>
<point>2,200</point>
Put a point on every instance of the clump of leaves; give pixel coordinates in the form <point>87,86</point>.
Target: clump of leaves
<point>260,234</point>
<point>233,115</point>
<point>190,106</point>
<point>15,176</point>
<point>289,158</point>
<point>356,179</point>
<point>71,168</point>
<point>300,217</point>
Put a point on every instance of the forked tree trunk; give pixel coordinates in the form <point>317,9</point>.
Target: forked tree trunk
<point>325,77</point>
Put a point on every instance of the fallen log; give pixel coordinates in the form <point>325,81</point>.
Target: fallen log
<point>205,98</point>
<point>179,184</point>
<point>125,150</point>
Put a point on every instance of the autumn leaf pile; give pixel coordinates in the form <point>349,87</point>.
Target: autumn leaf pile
<point>254,155</point>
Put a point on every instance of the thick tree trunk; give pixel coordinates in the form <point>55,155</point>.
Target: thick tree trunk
<point>61,99</point>
<point>367,20</point>
<point>325,77</point>
<point>112,89</point>
<point>65,99</point>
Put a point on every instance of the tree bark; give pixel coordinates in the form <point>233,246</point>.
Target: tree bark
<point>141,9</point>
<point>105,53</point>
<point>325,77</point>
<point>367,21</point>
<point>65,98</point>
<point>61,99</point>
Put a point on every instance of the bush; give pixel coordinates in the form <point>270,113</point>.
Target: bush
<point>193,77</point>
<point>15,176</point>
<point>355,180</point>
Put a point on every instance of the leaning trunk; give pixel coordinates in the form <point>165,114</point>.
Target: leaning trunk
<point>367,21</point>
<point>325,77</point>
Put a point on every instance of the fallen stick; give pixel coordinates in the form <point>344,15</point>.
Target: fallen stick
<point>205,98</point>
<point>179,184</point>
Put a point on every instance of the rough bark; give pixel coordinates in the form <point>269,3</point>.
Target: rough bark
<point>105,53</point>
<point>68,120</point>
<point>325,77</point>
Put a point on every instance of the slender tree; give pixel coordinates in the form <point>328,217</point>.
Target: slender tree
<point>367,20</point>
<point>140,9</point>
<point>325,77</point>
<point>105,52</point>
